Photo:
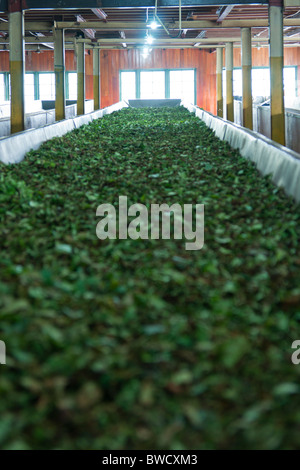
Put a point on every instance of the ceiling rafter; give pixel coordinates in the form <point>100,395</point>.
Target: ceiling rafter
<point>41,35</point>
<point>201,35</point>
<point>216,21</point>
<point>190,25</point>
<point>100,13</point>
<point>89,32</point>
<point>180,41</point>
<point>223,12</point>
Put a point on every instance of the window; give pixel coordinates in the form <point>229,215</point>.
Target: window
<point>29,87</point>
<point>182,85</point>
<point>237,82</point>
<point>47,86</point>
<point>72,86</point>
<point>128,85</point>
<point>152,84</point>
<point>158,84</point>
<point>289,82</point>
<point>8,87</point>
<point>261,82</point>
<point>2,88</point>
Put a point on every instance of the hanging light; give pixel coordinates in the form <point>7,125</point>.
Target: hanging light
<point>146,51</point>
<point>149,39</point>
<point>154,24</point>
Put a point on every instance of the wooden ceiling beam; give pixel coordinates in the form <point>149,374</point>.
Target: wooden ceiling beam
<point>180,41</point>
<point>189,25</point>
<point>34,26</point>
<point>42,26</point>
<point>90,33</point>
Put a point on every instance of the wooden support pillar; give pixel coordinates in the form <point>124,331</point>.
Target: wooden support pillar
<point>96,73</point>
<point>220,81</point>
<point>59,68</point>
<point>276,71</point>
<point>229,81</point>
<point>246,78</point>
<point>80,78</point>
<point>16,65</point>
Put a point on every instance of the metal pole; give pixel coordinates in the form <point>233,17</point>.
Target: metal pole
<point>229,81</point>
<point>220,82</point>
<point>96,73</point>
<point>246,77</point>
<point>276,71</point>
<point>80,78</point>
<point>16,65</point>
<point>59,68</point>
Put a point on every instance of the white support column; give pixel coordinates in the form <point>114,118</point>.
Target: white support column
<point>229,81</point>
<point>96,78</point>
<point>17,66</point>
<point>80,78</point>
<point>276,71</point>
<point>246,77</point>
<point>59,68</point>
<point>220,81</point>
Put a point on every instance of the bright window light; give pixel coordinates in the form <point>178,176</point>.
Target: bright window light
<point>289,81</point>
<point>152,84</point>
<point>237,82</point>
<point>261,82</point>
<point>72,78</point>
<point>128,86</point>
<point>29,87</point>
<point>2,88</point>
<point>47,86</point>
<point>182,85</point>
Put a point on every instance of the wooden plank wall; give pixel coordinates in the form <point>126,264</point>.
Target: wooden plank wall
<point>112,61</point>
<point>115,60</point>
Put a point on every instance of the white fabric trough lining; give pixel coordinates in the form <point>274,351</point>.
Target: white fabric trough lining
<point>269,157</point>
<point>14,148</point>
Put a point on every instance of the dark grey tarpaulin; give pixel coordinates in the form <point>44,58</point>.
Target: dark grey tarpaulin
<point>153,103</point>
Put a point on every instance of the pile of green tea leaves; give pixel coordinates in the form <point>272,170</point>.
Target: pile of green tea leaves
<point>140,344</point>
